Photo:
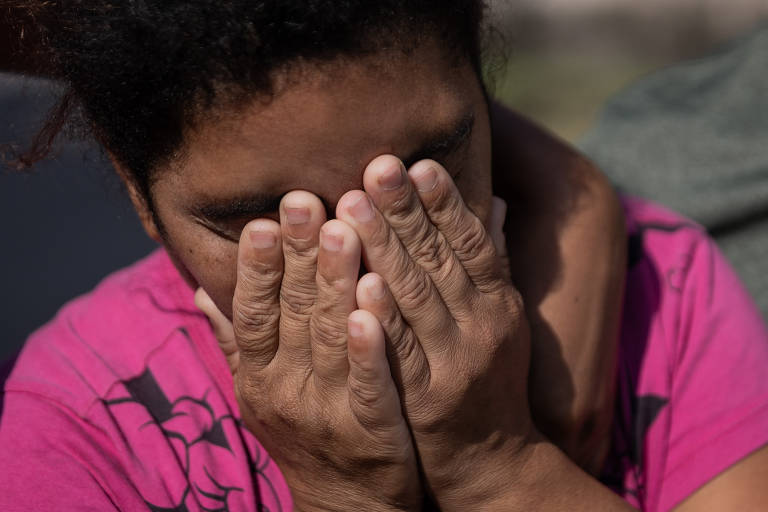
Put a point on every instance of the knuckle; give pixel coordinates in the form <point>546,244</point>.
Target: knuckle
<point>297,298</point>
<point>366,393</point>
<point>382,235</point>
<point>337,285</point>
<point>406,347</point>
<point>474,241</point>
<point>412,368</point>
<point>415,290</point>
<point>329,329</point>
<point>400,207</point>
<point>446,203</point>
<point>260,276</point>
<point>432,253</point>
<point>254,317</point>
<point>404,343</point>
<point>367,404</point>
<point>391,321</point>
<point>412,229</point>
<point>300,249</point>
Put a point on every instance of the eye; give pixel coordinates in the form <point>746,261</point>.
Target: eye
<point>227,233</point>
<point>455,163</point>
<point>230,229</point>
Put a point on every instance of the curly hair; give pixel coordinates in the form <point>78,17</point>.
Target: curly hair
<point>140,72</point>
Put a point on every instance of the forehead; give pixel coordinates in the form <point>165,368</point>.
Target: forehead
<point>325,123</point>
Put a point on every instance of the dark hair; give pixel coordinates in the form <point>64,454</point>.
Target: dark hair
<point>141,71</point>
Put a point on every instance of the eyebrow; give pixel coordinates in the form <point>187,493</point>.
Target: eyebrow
<point>444,143</point>
<point>438,145</point>
<point>256,205</point>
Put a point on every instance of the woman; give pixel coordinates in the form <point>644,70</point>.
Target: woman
<point>218,114</point>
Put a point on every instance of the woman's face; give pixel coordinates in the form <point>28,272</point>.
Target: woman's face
<point>318,133</point>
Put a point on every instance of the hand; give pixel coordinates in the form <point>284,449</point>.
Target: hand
<point>568,242</point>
<point>459,337</point>
<point>311,374</point>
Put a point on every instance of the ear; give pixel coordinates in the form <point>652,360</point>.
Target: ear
<point>140,204</point>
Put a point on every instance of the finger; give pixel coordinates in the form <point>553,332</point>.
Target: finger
<point>387,183</point>
<point>407,361</point>
<point>417,298</point>
<point>463,230</point>
<point>495,228</point>
<point>256,304</point>
<point>222,328</point>
<point>373,397</point>
<point>338,265</point>
<point>301,215</point>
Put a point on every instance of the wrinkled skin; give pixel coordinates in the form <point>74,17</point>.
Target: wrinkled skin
<point>560,205</point>
<point>317,136</point>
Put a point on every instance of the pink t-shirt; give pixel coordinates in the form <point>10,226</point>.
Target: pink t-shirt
<point>124,402</point>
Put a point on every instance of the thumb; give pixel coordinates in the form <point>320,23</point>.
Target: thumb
<point>495,227</point>
<point>222,328</point>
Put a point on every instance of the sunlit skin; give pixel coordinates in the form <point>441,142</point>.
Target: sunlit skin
<point>319,137</point>
<point>318,134</point>
<point>309,137</point>
<point>210,260</point>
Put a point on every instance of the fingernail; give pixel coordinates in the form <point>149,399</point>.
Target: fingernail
<point>331,242</point>
<point>392,179</point>
<point>262,239</point>
<point>362,210</point>
<point>355,329</point>
<point>296,215</point>
<point>426,181</point>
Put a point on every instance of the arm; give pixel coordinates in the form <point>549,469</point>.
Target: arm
<point>560,204</point>
<point>741,487</point>
<point>565,487</point>
<point>461,344</point>
<point>475,439</point>
<point>545,480</point>
<point>576,348</point>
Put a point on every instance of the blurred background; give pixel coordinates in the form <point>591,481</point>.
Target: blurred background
<point>68,224</point>
<point>566,57</point>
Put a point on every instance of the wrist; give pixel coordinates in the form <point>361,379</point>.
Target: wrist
<point>542,478</point>
<point>482,473</point>
<point>343,502</point>
<point>343,496</point>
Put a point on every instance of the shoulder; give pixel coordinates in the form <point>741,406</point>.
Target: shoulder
<point>679,284</point>
<point>104,336</point>
<point>693,347</point>
<point>127,391</point>
<point>657,234</point>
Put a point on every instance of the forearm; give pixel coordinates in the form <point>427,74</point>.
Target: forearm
<point>560,204</point>
<point>551,481</point>
<point>541,477</point>
<point>590,288</point>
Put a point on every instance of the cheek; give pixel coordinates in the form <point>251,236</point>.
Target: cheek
<point>476,192</point>
<point>474,183</point>
<point>206,261</point>
<point>217,274</point>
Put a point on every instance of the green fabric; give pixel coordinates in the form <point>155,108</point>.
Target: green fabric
<point>694,137</point>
